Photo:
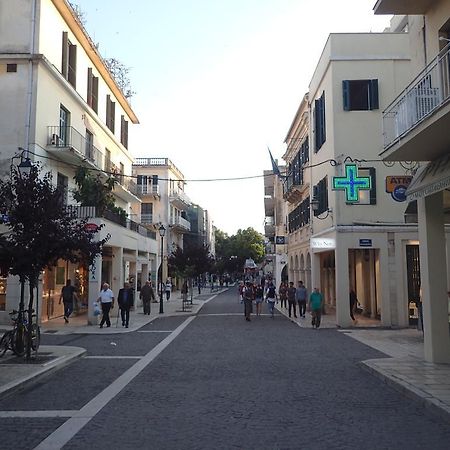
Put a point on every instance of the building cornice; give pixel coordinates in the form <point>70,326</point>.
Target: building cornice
<point>83,38</point>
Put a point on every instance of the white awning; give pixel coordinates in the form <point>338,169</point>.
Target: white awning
<point>429,179</point>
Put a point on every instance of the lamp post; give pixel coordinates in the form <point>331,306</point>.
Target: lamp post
<point>162,232</point>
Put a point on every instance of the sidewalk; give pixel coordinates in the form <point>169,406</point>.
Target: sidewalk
<point>405,369</point>
<point>16,373</point>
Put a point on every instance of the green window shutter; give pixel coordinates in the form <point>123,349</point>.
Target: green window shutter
<point>373,190</point>
<point>346,94</point>
<point>373,91</point>
<point>65,54</point>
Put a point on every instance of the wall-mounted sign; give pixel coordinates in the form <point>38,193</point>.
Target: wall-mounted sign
<point>323,243</point>
<point>280,240</point>
<point>365,242</point>
<point>91,227</point>
<point>396,185</point>
<point>352,183</point>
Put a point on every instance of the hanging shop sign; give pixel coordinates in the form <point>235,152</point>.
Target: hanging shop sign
<point>280,240</point>
<point>351,183</point>
<point>91,227</point>
<point>396,185</point>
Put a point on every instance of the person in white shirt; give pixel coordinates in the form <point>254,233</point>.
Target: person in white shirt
<point>168,289</point>
<point>106,298</point>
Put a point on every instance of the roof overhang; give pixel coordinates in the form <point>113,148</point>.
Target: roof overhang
<point>402,6</point>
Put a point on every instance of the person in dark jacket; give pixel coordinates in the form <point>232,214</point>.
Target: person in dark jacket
<point>126,301</point>
<point>147,295</point>
<point>353,305</point>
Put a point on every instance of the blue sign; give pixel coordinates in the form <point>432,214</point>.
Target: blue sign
<point>280,240</point>
<point>365,242</point>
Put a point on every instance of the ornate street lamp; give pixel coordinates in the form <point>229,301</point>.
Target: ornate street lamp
<point>162,232</point>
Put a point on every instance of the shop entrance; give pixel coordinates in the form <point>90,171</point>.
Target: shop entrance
<point>413,281</point>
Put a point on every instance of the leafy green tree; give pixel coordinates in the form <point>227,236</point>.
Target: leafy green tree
<point>191,261</point>
<point>39,230</point>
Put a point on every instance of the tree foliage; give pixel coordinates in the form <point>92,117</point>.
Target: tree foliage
<point>232,251</point>
<point>191,261</point>
<point>120,72</point>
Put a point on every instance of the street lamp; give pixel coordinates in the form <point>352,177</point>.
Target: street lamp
<point>24,167</point>
<point>162,232</point>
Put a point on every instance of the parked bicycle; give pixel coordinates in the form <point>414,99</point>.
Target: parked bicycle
<point>16,339</point>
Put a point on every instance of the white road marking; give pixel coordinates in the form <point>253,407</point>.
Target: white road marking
<point>37,414</point>
<point>155,331</point>
<point>112,357</point>
<point>62,435</point>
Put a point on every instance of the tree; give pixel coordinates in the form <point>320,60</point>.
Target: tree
<point>191,261</point>
<point>79,13</point>
<point>120,72</point>
<point>40,231</point>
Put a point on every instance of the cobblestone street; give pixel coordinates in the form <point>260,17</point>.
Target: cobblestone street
<point>221,382</point>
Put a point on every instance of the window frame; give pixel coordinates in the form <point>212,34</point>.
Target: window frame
<point>372,96</point>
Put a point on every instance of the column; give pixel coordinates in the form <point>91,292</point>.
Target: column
<point>95,275</point>
<point>434,278</point>
<point>343,318</point>
<point>382,286</point>
<point>118,270</point>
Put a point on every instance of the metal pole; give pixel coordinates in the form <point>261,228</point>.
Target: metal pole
<point>161,306</point>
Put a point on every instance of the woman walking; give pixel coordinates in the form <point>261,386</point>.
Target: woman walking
<point>259,294</point>
<point>282,292</point>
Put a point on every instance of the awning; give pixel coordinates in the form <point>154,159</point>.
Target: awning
<point>429,179</point>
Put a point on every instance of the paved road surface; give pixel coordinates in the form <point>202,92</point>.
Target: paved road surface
<point>215,381</point>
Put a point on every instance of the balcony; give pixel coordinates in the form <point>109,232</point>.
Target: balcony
<point>402,6</point>
<point>72,147</point>
<point>416,123</point>
<point>180,200</point>
<point>269,227</point>
<point>148,189</point>
<point>147,219</point>
<point>180,224</point>
<point>269,205</point>
<point>294,189</point>
<point>91,212</point>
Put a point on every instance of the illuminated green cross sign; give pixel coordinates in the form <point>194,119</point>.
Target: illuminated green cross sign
<point>351,183</point>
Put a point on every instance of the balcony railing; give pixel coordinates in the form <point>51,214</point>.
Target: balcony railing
<point>180,198</point>
<point>151,162</point>
<point>147,219</point>
<point>180,222</point>
<point>427,92</point>
<point>69,137</point>
<point>148,189</point>
<point>91,212</point>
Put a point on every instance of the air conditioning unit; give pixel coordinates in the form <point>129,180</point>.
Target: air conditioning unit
<point>55,140</point>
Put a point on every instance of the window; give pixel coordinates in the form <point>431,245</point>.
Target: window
<point>110,113</point>
<point>62,184</point>
<point>320,193</point>
<point>89,150</point>
<point>319,122</point>
<point>11,67</point>
<point>147,213</point>
<point>92,91</point>
<point>64,124</point>
<point>69,60</point>
<point>367,197</point>
<point>360,95</point>
<point>299,217</point>
<point>124,132</point>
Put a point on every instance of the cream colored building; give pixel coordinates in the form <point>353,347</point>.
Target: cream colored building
<point>296,192</point>
<point>59,102</point>
<point>367,244</point>
<point>416,121</point>
<point>160,186</point>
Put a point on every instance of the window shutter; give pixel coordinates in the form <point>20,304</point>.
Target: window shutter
<point>108,111</point>
<point>65,56</point>
<point>373,91</point>
<point>316,114</point>
<point>346,94</point>
<point>95,94</point>
<point>322,119</point>
<point>373,190</point>
<point>89,87</point>
<point>155,180</point>
<point>113,116</point>
<point>72,75</point>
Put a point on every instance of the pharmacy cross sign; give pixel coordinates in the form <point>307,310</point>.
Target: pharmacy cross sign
<point>351,183</point>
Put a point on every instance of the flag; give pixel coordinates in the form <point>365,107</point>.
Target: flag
<point>275,169</point>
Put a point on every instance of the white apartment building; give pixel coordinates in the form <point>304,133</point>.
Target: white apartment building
<point>59,102</point>
<point>160,186</point>
<point>415,127</point>
<point>361,243</point>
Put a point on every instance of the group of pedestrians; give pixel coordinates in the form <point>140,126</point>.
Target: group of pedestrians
<point>289,296</point>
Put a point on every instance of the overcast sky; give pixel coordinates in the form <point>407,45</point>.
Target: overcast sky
<point>218,81</point>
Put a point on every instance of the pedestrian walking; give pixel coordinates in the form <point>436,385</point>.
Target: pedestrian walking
<point>125,299</point>
<point>147,295</point>
<point>259,298</point>
<point>106,299</point>
<point>271,297</point>
<point>282,294</point>
<point>248,296</point>
<point>353,305</point>
<point>168,288</point>
<point>184,291</point>
<point>315,304</point>
<point>292,302</point>
<point>301,295</point>
<point>68,296</point>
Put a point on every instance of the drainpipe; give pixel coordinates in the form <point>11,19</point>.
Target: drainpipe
<point>30,76</point>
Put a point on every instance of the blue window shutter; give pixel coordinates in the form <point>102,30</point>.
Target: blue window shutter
<point>346,94</point>
<point>373,90</point>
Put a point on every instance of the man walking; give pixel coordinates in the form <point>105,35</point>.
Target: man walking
<point>301,295</point>
<point>106,298</point>
<point>248,296</point>
<point>271,297</point>
<point>315,304</point>
<point>291,292</point>
<point>147,295</point>
<point>126,301</point>
<point>68,296</point>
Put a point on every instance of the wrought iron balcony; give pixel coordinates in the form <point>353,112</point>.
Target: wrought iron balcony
<point>428,92</point>
<point>148,189</point>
